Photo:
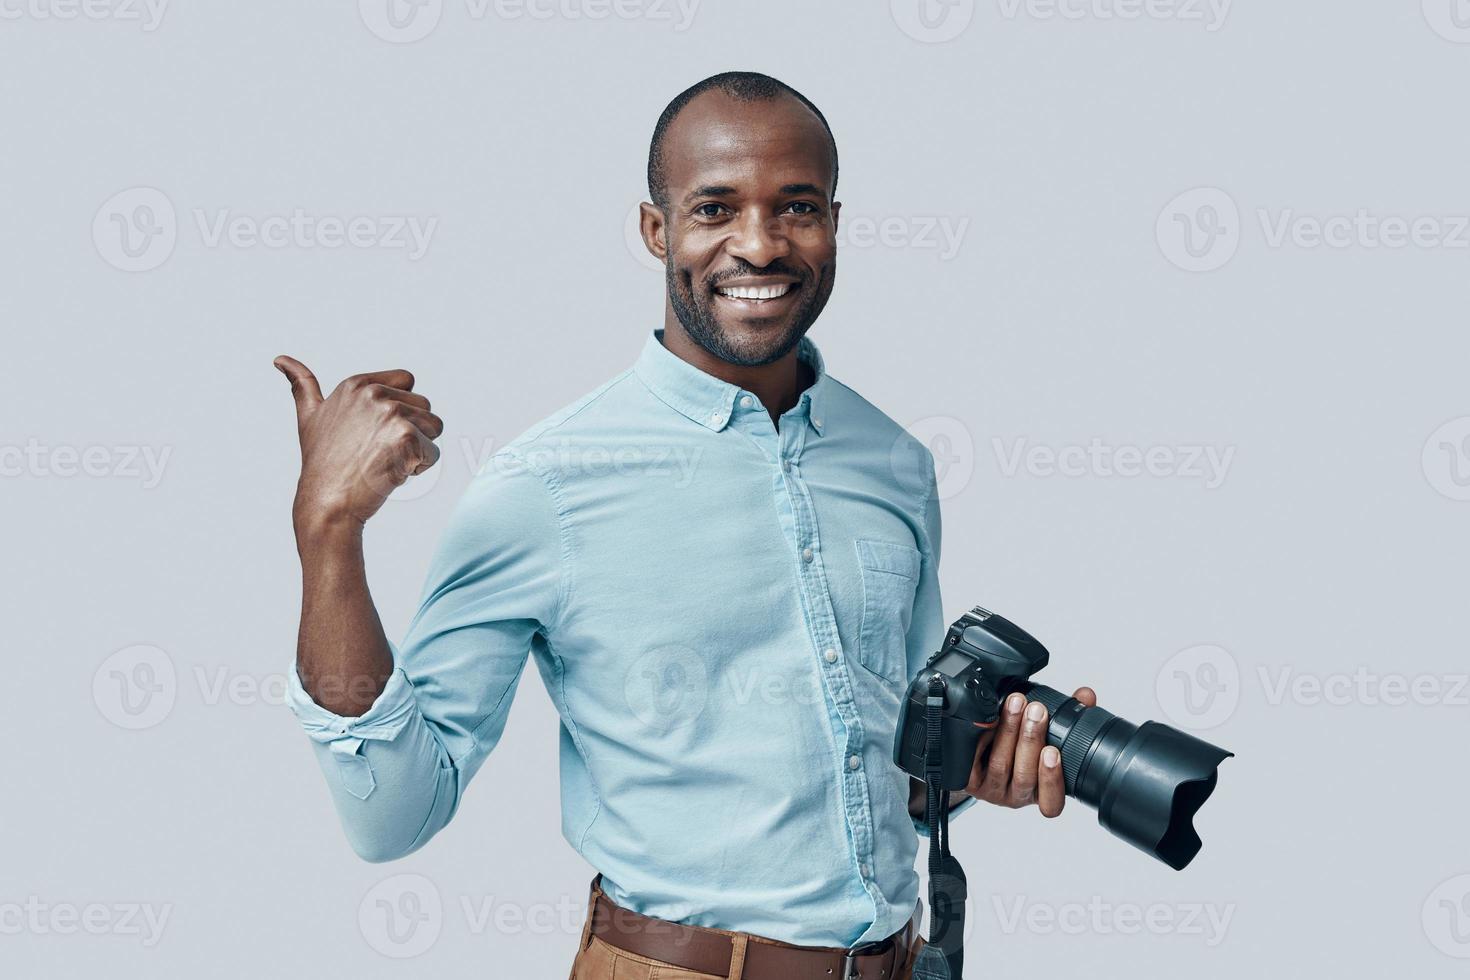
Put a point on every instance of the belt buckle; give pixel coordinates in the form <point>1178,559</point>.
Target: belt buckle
<point>849,959</point>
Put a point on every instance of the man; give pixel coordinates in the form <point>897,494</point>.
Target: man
<point>726,644</point>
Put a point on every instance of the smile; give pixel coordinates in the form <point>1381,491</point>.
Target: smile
<point>757,294</point>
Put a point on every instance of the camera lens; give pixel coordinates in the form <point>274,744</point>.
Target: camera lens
<point>1145,781</point>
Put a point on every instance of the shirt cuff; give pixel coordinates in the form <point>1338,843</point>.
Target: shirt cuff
<point>345,736</point>
<point>923,828</point>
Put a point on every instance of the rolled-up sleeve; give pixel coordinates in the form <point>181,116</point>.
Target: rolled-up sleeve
<point>498,579</point>
<point>927,627</point>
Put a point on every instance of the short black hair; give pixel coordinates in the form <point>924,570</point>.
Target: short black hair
<point>743,86</point>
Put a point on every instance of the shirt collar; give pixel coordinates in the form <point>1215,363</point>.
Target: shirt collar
<point>710,401</point>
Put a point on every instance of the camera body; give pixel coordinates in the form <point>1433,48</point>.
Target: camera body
<point>984,658</point>
<point>1145,781</point>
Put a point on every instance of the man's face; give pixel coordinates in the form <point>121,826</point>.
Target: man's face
<point>750,239</point>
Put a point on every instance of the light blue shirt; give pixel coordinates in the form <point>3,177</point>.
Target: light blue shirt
<point>725,614</point>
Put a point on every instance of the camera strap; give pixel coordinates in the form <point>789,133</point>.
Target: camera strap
<point>943,958</point>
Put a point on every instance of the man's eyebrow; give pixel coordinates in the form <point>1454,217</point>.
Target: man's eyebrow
<point>709,190</point>
<point>722,190</point>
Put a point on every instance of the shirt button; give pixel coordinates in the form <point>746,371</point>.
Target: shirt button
<point>807,554</point>
<point>865,871</point>
<point>717,419</point>
<point>853,762</point>
<point>746,401</point>
<point>829,655</point>
<point>817,423</point>
<point>786,465</point>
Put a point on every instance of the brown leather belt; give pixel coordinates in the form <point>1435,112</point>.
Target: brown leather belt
<point>711,950</point>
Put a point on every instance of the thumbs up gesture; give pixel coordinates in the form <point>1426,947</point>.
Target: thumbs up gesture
<point>358,444</point>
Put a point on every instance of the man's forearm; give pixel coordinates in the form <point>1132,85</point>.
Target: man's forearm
<point>342,653</point>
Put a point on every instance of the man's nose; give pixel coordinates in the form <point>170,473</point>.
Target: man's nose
<point>759,239</point>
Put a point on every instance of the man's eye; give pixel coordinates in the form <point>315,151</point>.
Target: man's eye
<point>804,208</point>
<point>710,210</point>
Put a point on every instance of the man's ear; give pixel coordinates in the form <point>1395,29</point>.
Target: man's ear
<point>654,229</point>
<point>836,211</point>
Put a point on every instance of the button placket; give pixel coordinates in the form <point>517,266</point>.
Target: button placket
<point>848,732</point>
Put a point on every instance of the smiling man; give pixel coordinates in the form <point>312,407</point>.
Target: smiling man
<point>726,649</point>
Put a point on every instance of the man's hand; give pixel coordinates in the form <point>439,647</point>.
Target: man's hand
<point>357,445</point>
<point>1014,767</point>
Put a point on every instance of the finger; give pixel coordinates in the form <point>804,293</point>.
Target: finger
<point>304,387</point>
<point>428,423</point>
<point>398,395</point>
<point>1028,755</point>
<point>428,456</point>
<point>977,767</point>
<point>396,378</point>
<point>1051,788</point>
<point>996,781</point>
<point>1087,696</point>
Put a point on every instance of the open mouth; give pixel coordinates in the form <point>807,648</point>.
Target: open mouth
<point>761,297</point>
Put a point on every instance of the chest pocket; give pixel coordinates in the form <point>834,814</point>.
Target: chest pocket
<point>890,573</point>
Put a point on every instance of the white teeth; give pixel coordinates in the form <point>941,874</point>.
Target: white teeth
<point>755,292</point>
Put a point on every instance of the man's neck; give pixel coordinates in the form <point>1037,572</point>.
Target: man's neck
<point>778,384</point>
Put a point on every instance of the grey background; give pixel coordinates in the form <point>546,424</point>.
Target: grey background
<point>1334,543</point>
